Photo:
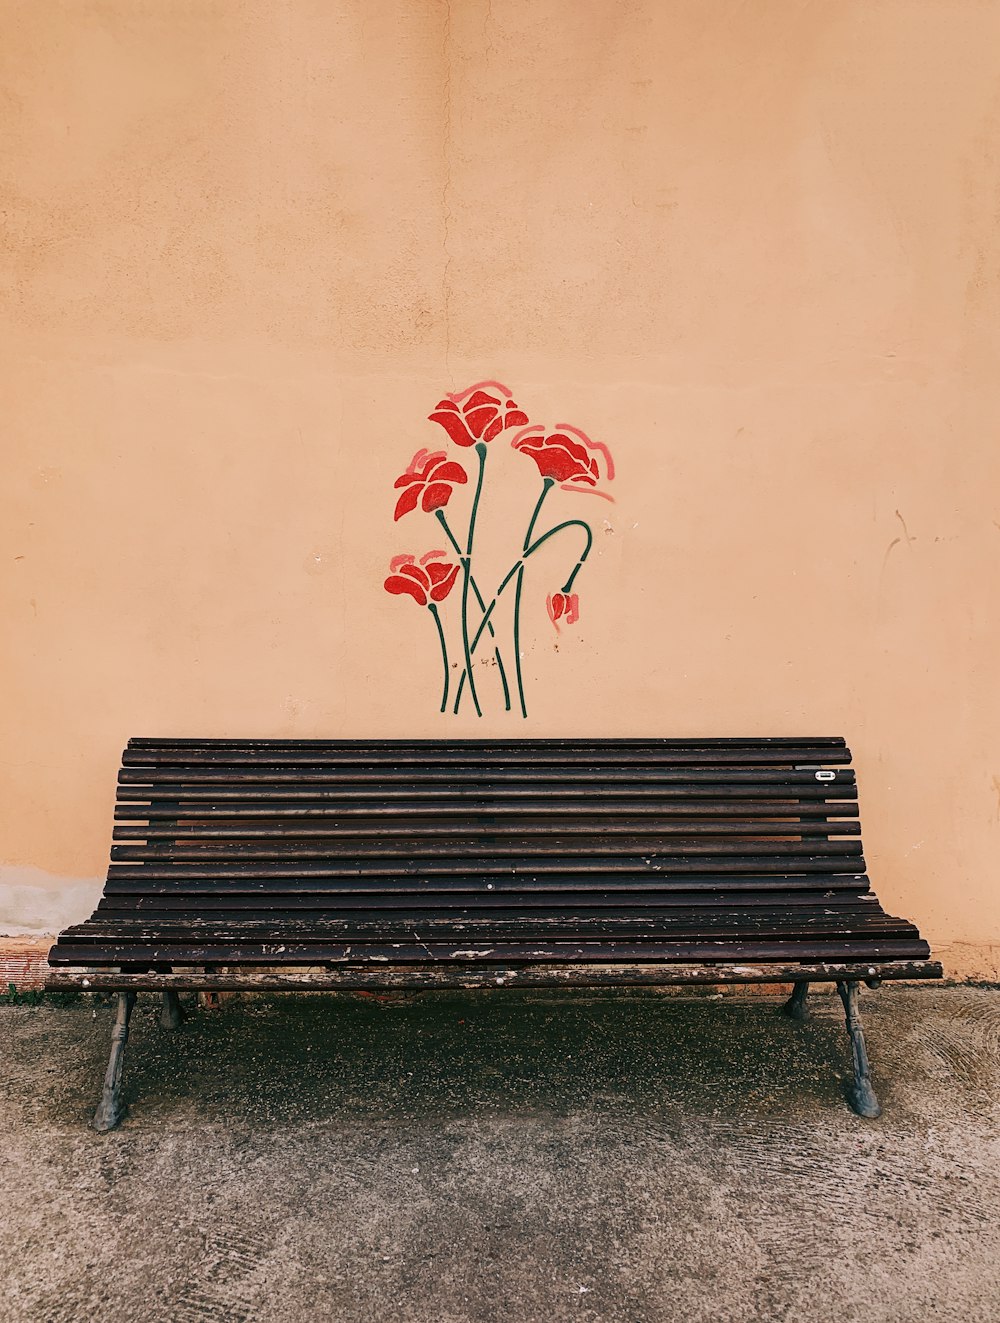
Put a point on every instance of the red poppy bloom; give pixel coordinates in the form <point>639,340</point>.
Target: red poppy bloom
<point>427,580</point>
<point>478,414</point>
<point>563,606</point>
<point>567,456</point>
<point>430,479</point>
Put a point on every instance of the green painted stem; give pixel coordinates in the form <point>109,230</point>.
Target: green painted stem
<point>472,647</point>
<point>519,564</point>
<point>517,640</point>
<point>568,585</point>
<point>443,521</point>
<point>482,625</point>
<point>517,570</point>
<point>568,523</point>
<point>547,485</point>
<point>466,576</point>
<point>444,653</point>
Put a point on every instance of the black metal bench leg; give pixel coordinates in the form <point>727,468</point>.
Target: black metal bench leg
<point>860,1094</point>
<point>111,1109</point>
<point>795,1006</point>
<point>171,1014</point>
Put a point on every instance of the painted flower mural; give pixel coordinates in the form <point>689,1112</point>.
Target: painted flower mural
<point>427,580</point>
<point>566,459</point>
<point>480,413</point>
<point>567,456</point>
<point>429,479</point>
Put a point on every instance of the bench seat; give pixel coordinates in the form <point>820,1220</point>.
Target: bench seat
<point>283,864</point>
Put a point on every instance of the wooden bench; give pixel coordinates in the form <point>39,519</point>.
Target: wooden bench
<point>360,864</point>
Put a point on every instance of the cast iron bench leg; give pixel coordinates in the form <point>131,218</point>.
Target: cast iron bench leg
<point>795,1006</point>
<point>860,1094</point>
<point>110,1110</point>
<point>171,1015</point>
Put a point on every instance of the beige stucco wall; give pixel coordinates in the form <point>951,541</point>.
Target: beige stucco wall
<point>753,248</point>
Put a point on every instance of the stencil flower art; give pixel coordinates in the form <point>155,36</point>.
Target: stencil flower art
<point>567,456</point>
<point>567,459</point>
<point>427,580</point>
<point>479,413</point>
<point>429,479</point>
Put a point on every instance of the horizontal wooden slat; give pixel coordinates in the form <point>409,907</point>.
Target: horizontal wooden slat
<point>152,881</point>
<point>180,900</point>
<point>530,780</point>
<point>540,757</point>
<point>418,799</point>
<point>530,975</point>
<point>429,916</point>
<point>436,932</point>
<point>484,746</point>
<point>466,867</point>
<point>643,835</point>
<point>475,853</point>
<point>290,953</point>
<point>484,749</point>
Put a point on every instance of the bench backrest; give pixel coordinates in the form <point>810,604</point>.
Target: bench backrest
<point>562,820</point>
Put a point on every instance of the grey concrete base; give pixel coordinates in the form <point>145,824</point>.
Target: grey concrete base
<point>505,1157</point>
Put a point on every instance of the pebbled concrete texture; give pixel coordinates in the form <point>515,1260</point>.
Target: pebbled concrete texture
<point>504,1157</point>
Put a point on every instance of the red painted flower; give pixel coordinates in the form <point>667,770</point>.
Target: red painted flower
<point>563,606</point>
<point>427,580</point>
<point>478,414</point>
<point>429,479</point>
<point>567,456</point>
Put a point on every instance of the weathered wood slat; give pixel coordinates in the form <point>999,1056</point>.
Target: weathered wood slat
<point>403,836</point>
<point>150,881</point>
<point>265,745</point>
<point>581,781</point>
<point>598,756</point>
<point>621,902</point>
<point>312,927</point>
<point>703,798</point>
<point>302,871</point>
<point>530,975</point>
<point>467,867</point>
<point>291,953</point>
<point>504,846</point>
<point>483,749</point>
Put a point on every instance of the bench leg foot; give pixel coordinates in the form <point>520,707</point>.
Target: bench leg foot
<point>795,1006</point>
<point>171,1014</point>
<point>111,1109</point>
<point>860,1094</point>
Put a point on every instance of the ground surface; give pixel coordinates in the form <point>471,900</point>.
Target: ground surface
<point>504,1157</point>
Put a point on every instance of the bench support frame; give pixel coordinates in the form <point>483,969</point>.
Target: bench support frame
<point>111,1109</point>
<point>171,1016</point>
<point>110,1112</point>
<point>795,1006</point>
<point>860,1094</point>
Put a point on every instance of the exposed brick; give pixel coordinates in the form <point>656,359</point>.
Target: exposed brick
<point>23,963</point>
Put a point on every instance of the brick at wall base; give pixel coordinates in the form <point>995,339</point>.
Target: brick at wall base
<point>23,963</point>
